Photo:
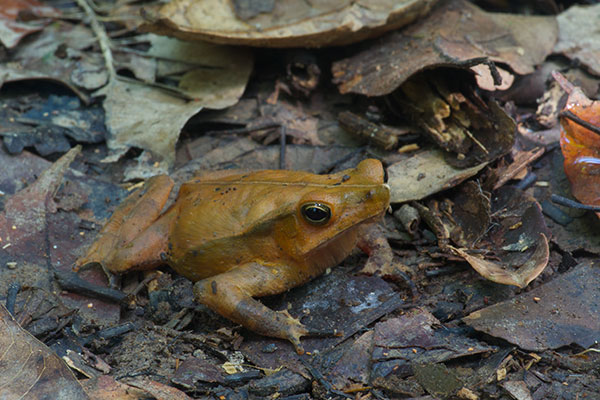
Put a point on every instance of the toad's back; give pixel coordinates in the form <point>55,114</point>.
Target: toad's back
<point>237,218</point>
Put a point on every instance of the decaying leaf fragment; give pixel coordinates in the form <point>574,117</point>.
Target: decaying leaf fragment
<point>423,174</point>
<point>283,23</point>
<point>450,113</point>
<point>466,214</point>
<point>580,143</point>
<point>578,36</point>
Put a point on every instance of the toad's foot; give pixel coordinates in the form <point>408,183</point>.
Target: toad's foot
<point>231,295</point>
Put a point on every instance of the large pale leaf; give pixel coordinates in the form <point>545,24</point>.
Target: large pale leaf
<point>284,23</point>
<point>151,118</point>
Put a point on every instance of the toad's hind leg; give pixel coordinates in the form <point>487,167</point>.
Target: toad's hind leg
<point>133,237</point>
<point>230,294</point>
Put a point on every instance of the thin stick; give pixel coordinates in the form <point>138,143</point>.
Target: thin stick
<point>282,135</point>
<point>103,39</point>
<point>563,201</point>
<point>569,115</point>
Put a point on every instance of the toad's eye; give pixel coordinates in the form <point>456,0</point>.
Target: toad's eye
<point>316,213</point>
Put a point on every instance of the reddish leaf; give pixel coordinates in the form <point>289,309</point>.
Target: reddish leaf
<point>580,145</point>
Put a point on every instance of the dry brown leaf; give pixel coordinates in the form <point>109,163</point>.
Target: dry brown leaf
<point>211,74</point>
<point>521,159</point>
<point>556,314</point>
<point>157,389</point>
<point>24,216</point>
<point>285,23</point>
<point>105,387</point>
<point>12,29</point>
<point>300,126</point>
<point>29,369</point>
<point>516,238</point>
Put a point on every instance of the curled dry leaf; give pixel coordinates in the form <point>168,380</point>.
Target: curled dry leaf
<point>517,236</point>
<point>446,38</point>
<point>496,272</point>
<point>284,23</point>
<point>580,143</point>
<point>62,46</point>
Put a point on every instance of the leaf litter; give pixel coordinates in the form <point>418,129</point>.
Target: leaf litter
<point>464,178</point>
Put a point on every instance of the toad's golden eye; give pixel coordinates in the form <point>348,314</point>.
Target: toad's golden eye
<point>316,213</point>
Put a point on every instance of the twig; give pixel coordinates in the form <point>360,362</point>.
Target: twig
<point>563,201</point>
<point>555,213</point>
<point>72,282</point>
<point>169,89</point>
<point>240,131</point>
<point>103,39</point>
<point>567,86</point>
<point>282,147</point>
<point>569,115</point>
<point>11,297</point>
<point>108,333</point>
<point>524,183</point>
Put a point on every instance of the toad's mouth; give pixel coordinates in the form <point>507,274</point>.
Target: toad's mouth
<point>334,250</point>
<point>350,234</point>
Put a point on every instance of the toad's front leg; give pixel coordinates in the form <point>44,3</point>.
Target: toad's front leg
<point>231,295</point>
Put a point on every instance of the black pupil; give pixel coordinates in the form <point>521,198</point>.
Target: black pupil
<point>315,213</point>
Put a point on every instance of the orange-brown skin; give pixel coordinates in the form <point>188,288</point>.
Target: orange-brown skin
<point>244,235</point>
